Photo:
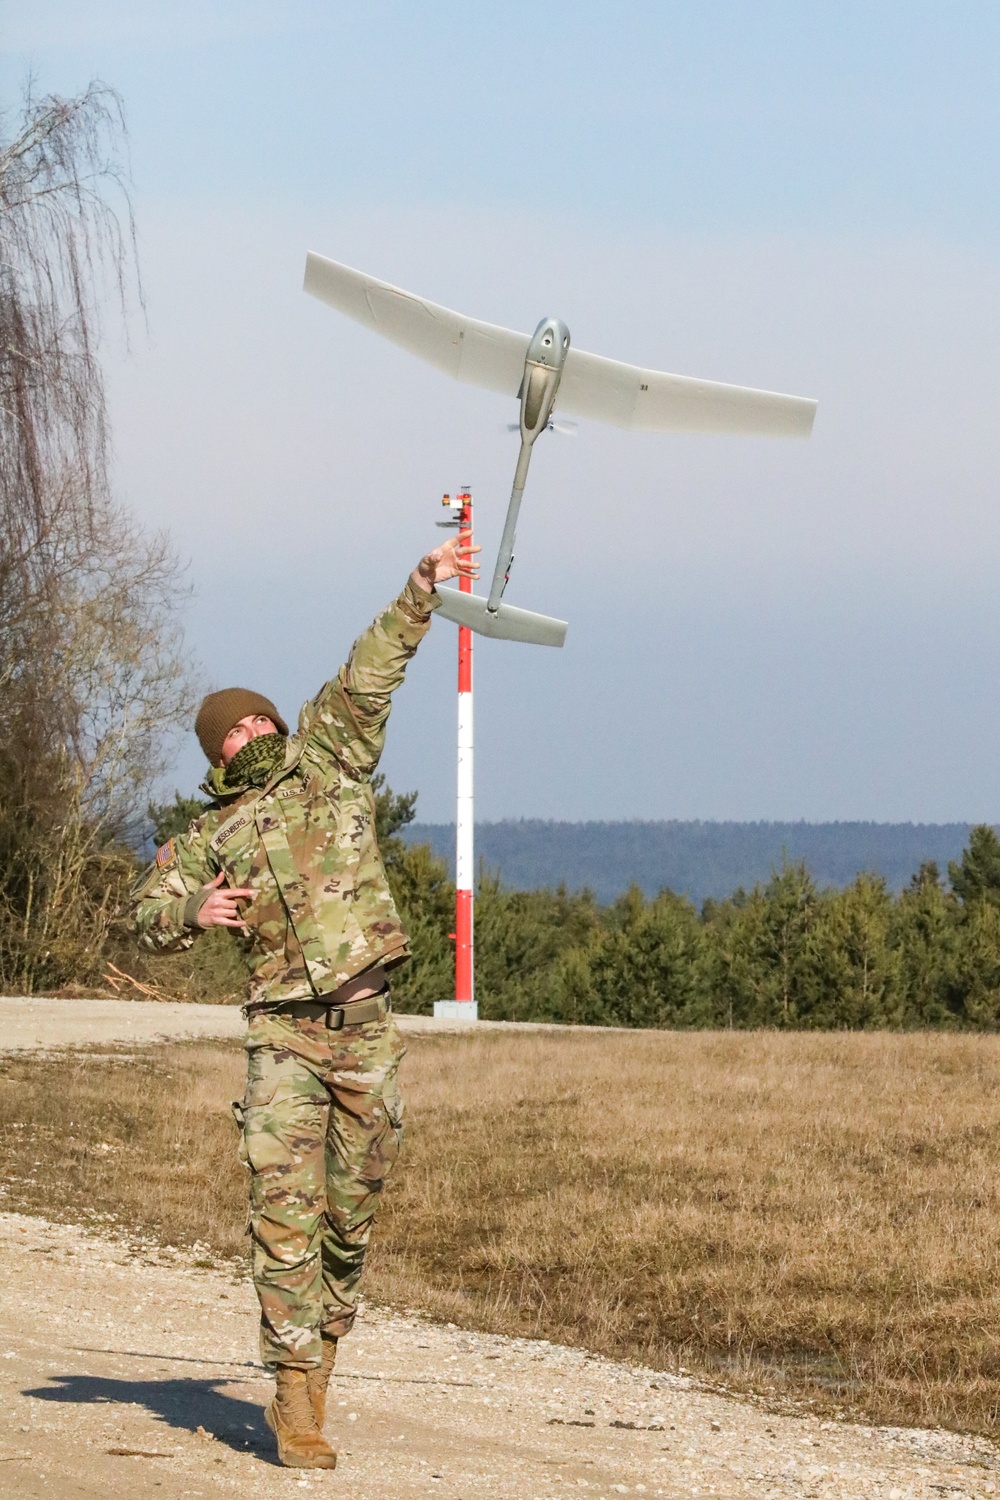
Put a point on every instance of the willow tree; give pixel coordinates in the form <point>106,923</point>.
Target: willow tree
<point>92,666</point>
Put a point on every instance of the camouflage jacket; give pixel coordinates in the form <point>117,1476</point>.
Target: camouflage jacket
<point>305,842</point>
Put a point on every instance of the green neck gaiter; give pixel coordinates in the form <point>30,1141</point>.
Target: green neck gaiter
<point>257,762</point>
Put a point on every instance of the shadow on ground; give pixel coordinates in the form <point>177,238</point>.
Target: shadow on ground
<point>185,1404</point>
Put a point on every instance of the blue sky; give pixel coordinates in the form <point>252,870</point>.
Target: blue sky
<point>796,196</point>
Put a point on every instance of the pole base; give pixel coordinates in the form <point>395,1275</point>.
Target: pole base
<point>456,1010</point>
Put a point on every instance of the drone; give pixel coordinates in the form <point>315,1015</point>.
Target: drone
<point>537,369</point>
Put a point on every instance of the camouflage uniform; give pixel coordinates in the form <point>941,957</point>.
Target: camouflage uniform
<point>322,1118</point>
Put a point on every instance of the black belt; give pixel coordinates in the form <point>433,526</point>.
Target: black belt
<point>350,1013</point>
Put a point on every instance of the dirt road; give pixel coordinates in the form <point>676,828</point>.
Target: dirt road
<point>127,1370</point>
<point>28,1023</point>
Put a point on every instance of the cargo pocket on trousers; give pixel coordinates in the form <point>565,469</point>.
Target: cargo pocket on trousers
<point>386,1148</point>
<point>239,1115</point>
<point>394,1114</point>
<point>262,1148</point>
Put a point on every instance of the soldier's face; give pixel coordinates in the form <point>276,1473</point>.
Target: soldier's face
<point>245,730</point>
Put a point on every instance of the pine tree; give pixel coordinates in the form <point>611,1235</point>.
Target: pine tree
<point>977,876</point>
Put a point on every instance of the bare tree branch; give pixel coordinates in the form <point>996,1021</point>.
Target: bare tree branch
<point>92,663</point>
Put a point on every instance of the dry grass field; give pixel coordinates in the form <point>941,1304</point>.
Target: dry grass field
<point>813,1215</point>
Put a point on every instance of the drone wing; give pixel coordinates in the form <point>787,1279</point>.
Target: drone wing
<point>602,389</point>
<point>653,401</point>
<point>479,353</point>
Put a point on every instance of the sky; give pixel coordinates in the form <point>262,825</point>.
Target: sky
<point>795,196</point>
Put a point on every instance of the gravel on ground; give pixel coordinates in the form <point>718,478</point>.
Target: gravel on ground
<point>128,1368</point>
<point>31,1022</point>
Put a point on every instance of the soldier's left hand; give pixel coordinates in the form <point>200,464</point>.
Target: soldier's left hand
<point>453,559</point>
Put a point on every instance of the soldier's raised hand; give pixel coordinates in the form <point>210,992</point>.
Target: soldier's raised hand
<point>453,559</point>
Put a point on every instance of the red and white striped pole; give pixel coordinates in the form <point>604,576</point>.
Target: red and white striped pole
<point>464,813</point>
<point>464,1007</point>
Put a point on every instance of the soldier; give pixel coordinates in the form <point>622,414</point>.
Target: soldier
<point>287,855</point>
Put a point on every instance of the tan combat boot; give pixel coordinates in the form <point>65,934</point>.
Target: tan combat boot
<point>301,1445</point>
<point>319,1379</point>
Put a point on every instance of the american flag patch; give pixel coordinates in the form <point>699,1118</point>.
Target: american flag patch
<point>165,853</point>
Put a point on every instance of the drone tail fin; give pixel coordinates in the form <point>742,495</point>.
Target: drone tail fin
<point>507,623</point>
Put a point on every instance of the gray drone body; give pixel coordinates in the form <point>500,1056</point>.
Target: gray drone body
<point>538,370</point>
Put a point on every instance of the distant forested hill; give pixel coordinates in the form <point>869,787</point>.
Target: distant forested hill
<point>694,859</point>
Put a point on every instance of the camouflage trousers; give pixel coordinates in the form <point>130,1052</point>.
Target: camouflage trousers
<point>322,1125</point>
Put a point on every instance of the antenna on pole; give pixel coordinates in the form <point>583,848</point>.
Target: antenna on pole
<point>463,1007</point>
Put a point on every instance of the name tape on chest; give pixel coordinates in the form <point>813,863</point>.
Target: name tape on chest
<point>246,817</point>
<point>228,830</point>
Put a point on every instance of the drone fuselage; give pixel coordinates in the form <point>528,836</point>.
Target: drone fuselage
<point>543,367</point>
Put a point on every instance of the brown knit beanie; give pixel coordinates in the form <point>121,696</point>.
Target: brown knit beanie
<point>220,711</point>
